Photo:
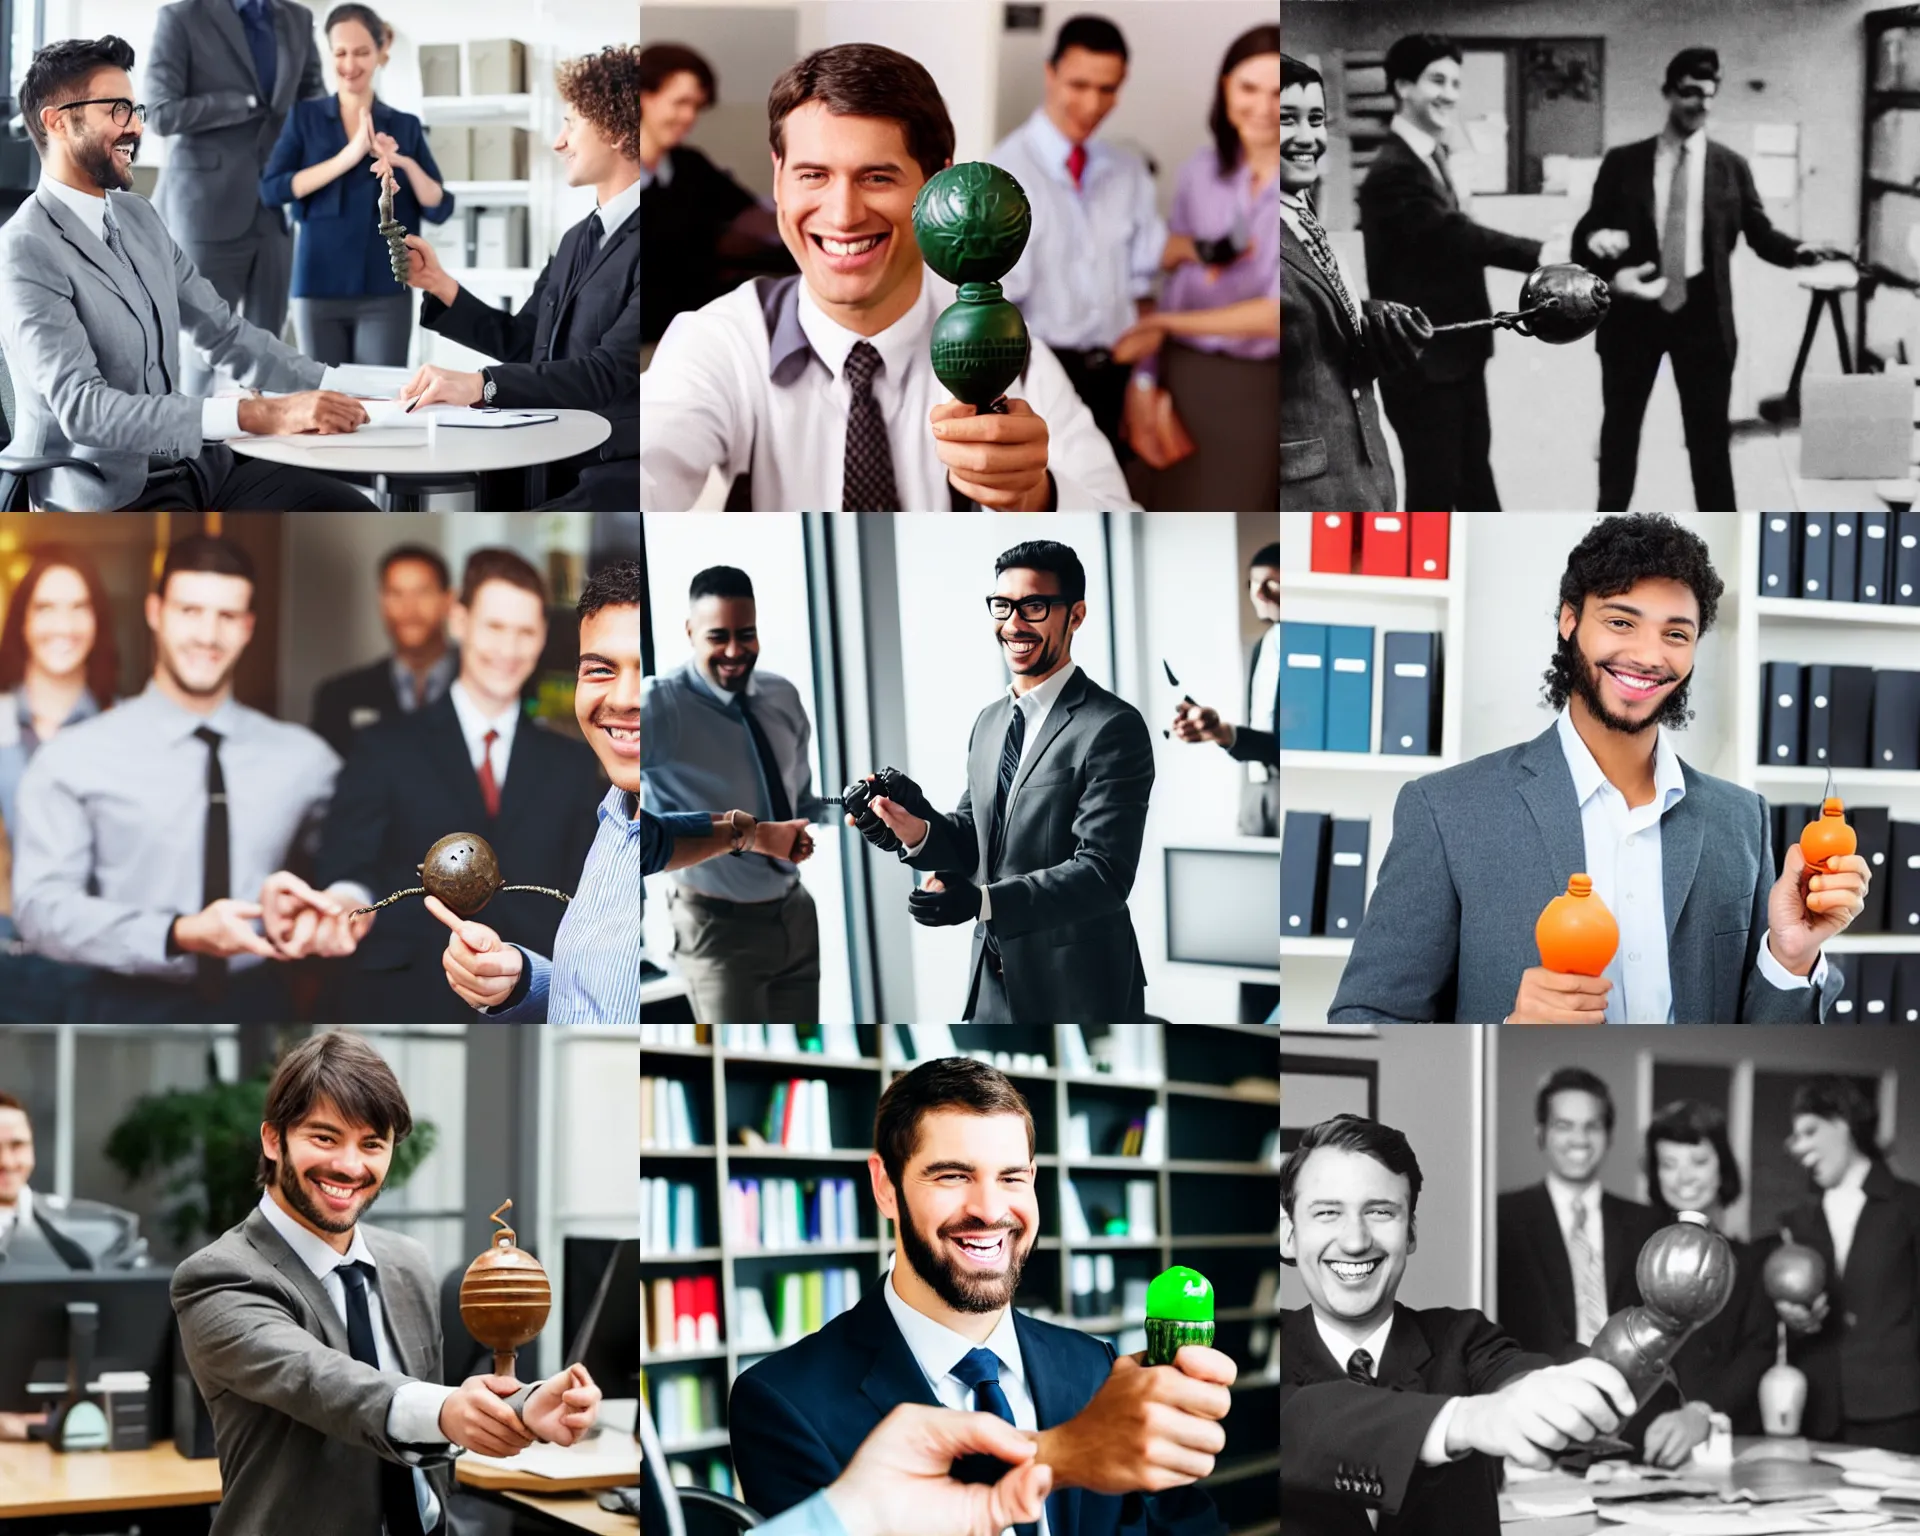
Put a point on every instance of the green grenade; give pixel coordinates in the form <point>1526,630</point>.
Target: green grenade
<point>1179,1311</point>
<point>972,222</point>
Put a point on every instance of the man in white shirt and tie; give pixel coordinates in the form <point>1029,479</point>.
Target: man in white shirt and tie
<point>1257,743</point>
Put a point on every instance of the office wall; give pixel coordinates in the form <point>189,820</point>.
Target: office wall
<point>747,48</point>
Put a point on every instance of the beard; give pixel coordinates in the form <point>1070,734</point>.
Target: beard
<point>961,1289</point>
<point>95,158</point>
<point>1046,655</point>
<point>1581,669</point>
<point>294,1190</point>
<point>734,685</point>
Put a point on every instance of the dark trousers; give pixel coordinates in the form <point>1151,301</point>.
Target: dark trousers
<point>1101,383</point>
<point>256,995</point>
<point>220,480</point>
<point>1445,437</point>
<point>989,1003</point>
<point>252,273</point>
<point>1639,335</point>
<point>1901,1434</point>
<point>372,330</point>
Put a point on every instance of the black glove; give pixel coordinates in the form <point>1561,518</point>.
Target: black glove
<point>958,903</point>
<point>858,800</point>
<point>1396,333</point>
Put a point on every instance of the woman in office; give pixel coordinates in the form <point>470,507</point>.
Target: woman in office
<point>1211,350</point>
<point>334,155</point>
<point>57,668</point>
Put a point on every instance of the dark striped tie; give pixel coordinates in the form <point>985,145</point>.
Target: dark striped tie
<point>867,484</point>
<point>1321,250</point>
<point>1009,766</point>
<point>1360,1368</point>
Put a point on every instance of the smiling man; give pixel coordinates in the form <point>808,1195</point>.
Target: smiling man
<point>1681,859</point>
<point>817,390</point>
<point>315,1339</point>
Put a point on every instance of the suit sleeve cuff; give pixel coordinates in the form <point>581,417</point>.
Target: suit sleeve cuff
<point>1433,1449</point>
<point>413,1418</point>
<point>220,419</point>
<point>1778,975</point>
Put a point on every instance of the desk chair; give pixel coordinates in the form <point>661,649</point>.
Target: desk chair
<point>714,1514</point>
<point>14,470</point>
<point>675,1510</point>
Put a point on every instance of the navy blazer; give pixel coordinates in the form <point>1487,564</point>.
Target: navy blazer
<point>340,253</point>
<point>797,1417</point>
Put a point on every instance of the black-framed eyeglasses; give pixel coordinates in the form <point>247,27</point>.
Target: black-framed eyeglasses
<point>124,111</point>
<point>1033,609</point>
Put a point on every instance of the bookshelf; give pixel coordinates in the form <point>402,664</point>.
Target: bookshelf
<point>1218,1205</point>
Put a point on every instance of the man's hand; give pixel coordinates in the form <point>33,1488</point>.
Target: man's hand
<point>906,826</point>
<point>1543,1412</point>
<point>424,271</point>
<point>1148,1428</point>
<point>1805,908</point>
<point>1609,244</point>
<point>1672,1436</point>
<point>1640,282</point>
<point>899,1482</point>
<point>476,1418</point>
<point>301,921</point>
<point>562,1408</point>
<point>1141,339</point>
<point>434,385</point>
<point>312,410</point>
<point>14,1426</point>
<point>1397,333</point>
<point>998,461</point>
<point>1803,1319</point>
<point>1550,997</point>
<point>1198,723</point>
<point>940,904</point>
<point>1140,419</point>
<point>481,970</point>
<point>784,840</point>
<point>223,928</point>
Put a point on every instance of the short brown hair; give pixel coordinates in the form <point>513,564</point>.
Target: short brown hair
<point>8,1101</point>
<point>866,80</point>
<point>660,62</point>
<point>604,88</point>
<point>103,661</point>
<point>948,1082</point>
<point>347,1072</point>
<point>496,564</point>
<point>207,552</point>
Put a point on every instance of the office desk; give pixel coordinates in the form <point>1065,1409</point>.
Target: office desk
<point>580,1511</point>
<point>35,1480</point>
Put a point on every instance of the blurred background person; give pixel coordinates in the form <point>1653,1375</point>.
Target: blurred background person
<point>415,597</point>
<point>222,76</point>
<point>332,160</point>
<point>40,1231</point>
<point>1257,743</point>
<point>1221,366</point>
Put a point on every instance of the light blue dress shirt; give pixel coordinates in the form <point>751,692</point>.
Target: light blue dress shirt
<point>1623,858</point>
<point>813,1517</point>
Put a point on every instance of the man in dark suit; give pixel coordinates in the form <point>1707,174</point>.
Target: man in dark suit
<point>1421,1458</point>
<point>953,1168</point>
<point>1666,212</point>
<point>1567,1247</point>
<point>468,763</point>
<point>576,342</point>
<point>1859,1342</point>
<point>1256,743</point>
<point>416,593</point>
<point>1333,345</point>
<point>1424,250</point>
<point>1060,771</point>
<point>50,1231</point>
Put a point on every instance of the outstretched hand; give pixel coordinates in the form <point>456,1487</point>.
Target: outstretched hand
<point>481,970</point>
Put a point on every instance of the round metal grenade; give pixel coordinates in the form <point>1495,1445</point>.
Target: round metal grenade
<point>1579,300</point>
<point>463,871</point>
<point>504,1297</point>
<point>1686,1271</point>
<point>972,221</point>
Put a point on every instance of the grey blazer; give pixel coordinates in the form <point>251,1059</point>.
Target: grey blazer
<point>94,365</point>
<point>199,75</point>
<point>1075,817</point>
<point>1479,850</point>
<point>300,1425</point>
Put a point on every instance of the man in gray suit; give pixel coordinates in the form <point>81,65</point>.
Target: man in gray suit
<point>93,292</point>
<point>1680,859</point>
<point>1061,770</point>
<point>316,1341</point>
<point>46,1231</point>
<point>223,76</point>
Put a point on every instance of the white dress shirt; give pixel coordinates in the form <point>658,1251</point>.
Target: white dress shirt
<point>1433,1449</point>
<point>1426,146</point>
<point>413,1418</point>
<point>661,174</point>
<point>723,394</point>
<point>218,418</point>
<point>1842,1205</point>
<point>622,206</point>
<point>474,726</point>
<point>18,1214</point>
<point>1564,1197</point>
<point>937,1349</point>
<point>1093,251</point>
<point>1666,149</point>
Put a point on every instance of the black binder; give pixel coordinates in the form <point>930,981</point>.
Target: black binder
<point>1410,693</point>
<point>1906,989</point>
<point>1817,714</point>
<point>1876,550</point>
<point>1347,876</point>
<point>1896,719</point>
<point>1849,710</point>
<point>1903,890</point>
<point>1871,827</point>
<point>1779,555</point>
<point>1816,555</point>
<point>1845,553</point>
<point>1871,977</point>
<point>1903,586</point>
<point>1780,714</point>
<point>1303,873</point>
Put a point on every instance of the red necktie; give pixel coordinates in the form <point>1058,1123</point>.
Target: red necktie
<point>1076,163</point>
<point>489,786</point>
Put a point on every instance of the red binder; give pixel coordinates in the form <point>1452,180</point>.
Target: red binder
<point>1429,545</point>
<point>1383,544</point>
<point>1336,538</point>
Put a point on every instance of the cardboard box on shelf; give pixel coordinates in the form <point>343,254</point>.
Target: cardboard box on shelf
<point>499,67</point>
<point>499,153</point>
<point>440,69</point>
<point>452,241</point>
<point>500,237</point>
<point>452,146</point>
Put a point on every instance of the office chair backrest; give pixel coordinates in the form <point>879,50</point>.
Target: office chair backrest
<point>714,1514</point>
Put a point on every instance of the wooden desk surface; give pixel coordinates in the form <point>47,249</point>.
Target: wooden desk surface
<point>36,1480</point>
<point>580,1511</point>
<point>492,1479</point>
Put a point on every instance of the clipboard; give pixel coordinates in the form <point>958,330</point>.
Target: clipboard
<point>494,418</point>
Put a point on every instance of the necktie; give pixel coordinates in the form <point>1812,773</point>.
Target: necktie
<point>1442,159</point>
<point>114,243</point>
<point>1589,1285</point>
<point>584,250</point>
<point>399,1504</point>
<point>216,867</point>
<point>1360,1368</point>
<point>113,236</point>
<point>1076,163</point>
<point>980,1370</point>
<point>779,807</point>
<point>1322,253</point>
<point>868,480</point>
<point>1009,766</point>
<point>259,25</point>
<point>489,785</point>
<point>1673,238</point>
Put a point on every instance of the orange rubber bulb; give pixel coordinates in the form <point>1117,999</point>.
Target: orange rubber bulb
<point>1828,838</point>
<point>1577,934</point>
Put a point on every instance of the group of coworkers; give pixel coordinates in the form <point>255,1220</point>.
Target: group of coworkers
<point>812,385</point>
<point>116,312</point>
<point>172,853</point>
<point>1665,216</point>
<point>1464,1391</point>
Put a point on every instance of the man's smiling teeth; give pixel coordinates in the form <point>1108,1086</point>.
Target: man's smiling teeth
<point>622,732</point>
<point>985,1248</point>
<point>1631,683</point>
<point>1348,1270</point>
<point>338,1191</point>
<point>848,247</point>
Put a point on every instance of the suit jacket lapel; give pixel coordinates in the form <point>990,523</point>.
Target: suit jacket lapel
<point>233,31</point>
<point>1640,183</point>
<point>272,1247</point>
<point>1552,1246</point>
<point>1051,1406</point>
<point>1681,838</point>
<point>98,253</point>
<point>983,772</point>
<point>1056,722</point>
<point>1547,792</point>
<point>1300,262</point>
<point>523,774</point>
<point>1403,1363</point>
<point>895,1376</point>
<point>409,1329</point>
<point>1619,1263</point>
<point>446,747</point>
<point>286,66</point>
<point>563,264</point>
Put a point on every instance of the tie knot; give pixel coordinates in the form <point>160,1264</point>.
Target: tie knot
<point>1076,162</point>
<point>490,738</point>
<point>1360,1366</point>
<point>210,736</point>
<point>353,1274</point>
<point>979,1365</point>
<point>863,362</point>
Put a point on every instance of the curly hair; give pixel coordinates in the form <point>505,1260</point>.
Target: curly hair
<point>604,88</point>
<point>1616,553</point>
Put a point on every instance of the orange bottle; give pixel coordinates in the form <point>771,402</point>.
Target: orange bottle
<point>1828,838</point>
<point>1577,934</point>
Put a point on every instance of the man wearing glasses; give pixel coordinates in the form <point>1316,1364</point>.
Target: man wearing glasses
<point>93,295</point>
<point>1666,212</point>
<point>1041,851</point>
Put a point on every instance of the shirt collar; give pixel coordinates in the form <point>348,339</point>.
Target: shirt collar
<point>1375,1343</point>
<point>615,809</point>
<point>92,211</point>
<point>1051,148</point>
<point>1036,700</point>
<point>1669,782</point>
<point>310,1248</point>
<point>23,1209</point>
<point>1565,1195</point>
<point>474,725</point>
<point>617,209</point>
<point>939,1349</point>
<point>899,345</point>
<point>1671,142</point>
<point>436,677</point>
<point>661,175</point>
<point>699,674</point>
<point>1854,1178</point>
<point>1416,138</point>
<point>179,724</point>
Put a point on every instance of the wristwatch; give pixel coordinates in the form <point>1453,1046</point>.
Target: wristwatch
<point>488,389</point>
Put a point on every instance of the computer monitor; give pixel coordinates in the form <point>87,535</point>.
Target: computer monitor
<point>1223,907</point>
<point>136,1334</point>
<point>600,1311</point>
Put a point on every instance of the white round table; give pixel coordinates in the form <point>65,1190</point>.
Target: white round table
<point>407,466</point>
